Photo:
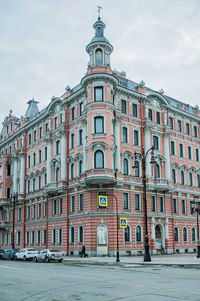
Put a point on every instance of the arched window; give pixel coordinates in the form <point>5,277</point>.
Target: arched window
<point>127,234</point>
<point>182,178</point>
<point>72,234</point>
<point>137,169</point>
<point>57,174</point>
<point>193,234</point>
<point>72,170</point>
<point>173,175</point>
<point>60,235</point>
<point>80,167</point>
<point>190,179</point>
<point>99,159</point>
<point>57,147</point>
<point>157,171</point>
<point>125,166</point>
<point>99,57</point>
<point>176,234</point>
<point>8,192</point>
<point>185,236</point>
<point>80,234</point>
<point>138,233</point>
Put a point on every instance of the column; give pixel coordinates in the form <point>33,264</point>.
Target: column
<point>22,176</point>
<point>15,175</point>
<point>147,147</point>
<point>167,157</point>
<point>49,158</point>
<point>85,149</point>
<point>153,228</point>
<point>118,144</point>
<point>166,228</point>
<point>63,156</point>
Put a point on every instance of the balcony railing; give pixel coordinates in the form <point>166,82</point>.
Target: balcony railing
<point>55,186</point>
<point>161,184</point>
<point>100,176</point>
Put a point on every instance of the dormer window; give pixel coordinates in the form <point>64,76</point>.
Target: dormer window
<point>99,57</point>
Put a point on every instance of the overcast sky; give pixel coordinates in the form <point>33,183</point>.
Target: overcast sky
<point>42,46</point>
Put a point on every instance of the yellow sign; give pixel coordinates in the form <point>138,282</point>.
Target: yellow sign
<point>103,201</point>
<point>123,222</point>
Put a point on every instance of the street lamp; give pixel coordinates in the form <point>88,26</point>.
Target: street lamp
<point>196,208</point>
<point>14,197</point>
<point>142,156</point>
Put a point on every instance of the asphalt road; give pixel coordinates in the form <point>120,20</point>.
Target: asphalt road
<point>21,281</point>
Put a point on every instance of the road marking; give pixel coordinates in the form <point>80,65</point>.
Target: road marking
<point>11,267</point>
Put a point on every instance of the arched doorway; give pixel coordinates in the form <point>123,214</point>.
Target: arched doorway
<point>159,238</point>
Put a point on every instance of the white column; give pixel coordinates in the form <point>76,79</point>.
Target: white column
<point>85,151</point>
<point>153,228</point>
<point>63,157</point>
<point>22,174</point>
<point>167,157</point>
<point>166,228</point>
<point>147,147</point>
<point>49,158</point>
<point>118,143</point>
<point>15,175</point>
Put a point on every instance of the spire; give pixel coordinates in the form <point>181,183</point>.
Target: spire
<point>32,110</point>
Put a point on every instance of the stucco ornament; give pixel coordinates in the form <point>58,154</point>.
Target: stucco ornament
<point>102,234</point>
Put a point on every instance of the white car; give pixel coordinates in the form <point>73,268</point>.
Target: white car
<point>26,254</point>
<point>48,255</point>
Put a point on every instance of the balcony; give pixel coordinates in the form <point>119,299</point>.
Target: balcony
<point>55,187</point>
<point>100,176</point>
<point>159,184</point>
<point>4,224</point>
<point>4,202</point>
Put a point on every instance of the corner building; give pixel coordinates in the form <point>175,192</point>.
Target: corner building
<point>54,163</point>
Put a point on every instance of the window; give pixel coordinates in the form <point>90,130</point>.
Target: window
<point>123,106</point>
<point>46,127</point>
<point>39,182</point>
<point>81,202</point>
<point>189,153</point>
<point>99,56</point>
<point>73,113</point>
<point>40,132</point>
<point>72,141</point>
<point>28,212</point>
<point>153,203</point>
<point>136,137</point>
<point>197,154</point>
<point>182,177</point>
<point>72,170</point>
<point>183,207</point>
<point>193,234</point>
<point>172,148</point>
<point>150,114</point>
<point>35,136</point>
<point>34,182</point>
<point>80,167</point>
<point>8,193</point>
<point>162,205</point>
<point>60,236</point>
<point>98,159</point>
<point>57,178</point>
<point>72,235</point>
<point>38,237</point>
<point>45,153</point>
<point>179,126</point>
<point>127,234</point>
<point>80,234</point>
<point>98,94</point>
<point>124,135</point>
<point>34,159</point>
<point>53,236</point>
<point>137,202</point>
<point>29,186</point>
<point>195,131</point>
<point>138,233</point>
<point>29,139</point>
<point>125,166</point>
<point>191,208</point>
<point>176,234</point>
<point>54,206</point>
<point>61,118</point>
<point>57,147</point>
<point>80,137</point>
<point>155,143</point>
<point>198,181</point>
<point>187,128</point>
<point>137,169</point>
<point>181,150</point>
<point>185,236</point>
<point>99,125</point>
<point>19,214</point>
<point>60,206</point>
<point>126,200</point>
<point>27,238</point>
<point>44,236</point>
<point>134,110</point>
<point>175,207</point>
<point>173,175</point>
<point>40,156</point>
<point>171,123</point>
<point>157,171</point>
<point>29,161</point>
<point>45,178</point>
<point>81,108</point>
<point>158,117</point>
<point>44,209</point>
<point>190,179</point>
<point>55,122</point>
<point>33,238</point>
<point>18,237</point>
<point>72,203</point>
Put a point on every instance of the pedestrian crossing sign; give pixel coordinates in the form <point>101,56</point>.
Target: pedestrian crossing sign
<point>123,222</point>
<point>103,201</point>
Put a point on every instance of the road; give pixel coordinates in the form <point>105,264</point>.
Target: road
<point>28,281</point>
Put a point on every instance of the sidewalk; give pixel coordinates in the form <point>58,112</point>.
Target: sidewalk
<point>185,260</point>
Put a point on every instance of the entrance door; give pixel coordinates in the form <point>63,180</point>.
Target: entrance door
<point>158,233</point>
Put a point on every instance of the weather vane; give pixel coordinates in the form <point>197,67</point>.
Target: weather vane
<point>99,11</point>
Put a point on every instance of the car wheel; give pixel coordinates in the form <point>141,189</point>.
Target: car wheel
<point>60,260</point>
<point>35,259</point>
<point>47,259</point>
<point>24,258</point>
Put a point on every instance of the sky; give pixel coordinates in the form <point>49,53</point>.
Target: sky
<point>42,47</point>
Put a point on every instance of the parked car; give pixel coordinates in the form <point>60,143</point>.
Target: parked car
<point>10,254</point>
<point>1,253</point>
<point>48,255</point>
<point>26,254</point>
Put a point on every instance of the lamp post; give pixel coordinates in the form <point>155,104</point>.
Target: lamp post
<point>117,227</point>
<point>15,196</point>
<point>196,208</point>
<point>142,156</point>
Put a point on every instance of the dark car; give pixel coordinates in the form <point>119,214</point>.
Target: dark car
<point>1,253</point>
<point>9,254</point>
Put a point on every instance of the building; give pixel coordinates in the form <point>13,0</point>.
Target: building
<point>56,162</point>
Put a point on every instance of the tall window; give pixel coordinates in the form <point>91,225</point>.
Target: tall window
<point>153,203</point>
<point>72,203</point>
<point>181,150</point>
<point>190,179</point>
<point>187,128</point>
<point>38,237</point>
<point>193,234</point>
<point>60,236</point>
<point>80,137</point>
<point>173,175</point>
<point>60,206</point>
<point>162,205</point>
<point>57,174</point>
<point>197,154</point>
<point>185,236</point>
<point>29,161</point>
<point>54,206</point>
<point>124,135</point>
<point>81,108</point>
<point>172,148</point>
<point>136,137</point>
<point>8,167</point>
<point>134,110</point>
<point>183,207</point>
<point>98,159</point>
<point>195,131</point>
<point>156,142</point>
<point>98,94</point>
<point>123,104</point>
<point>171,123</point>
<point>45,153</point>
<point>127,234</point>
<point>125,166</point>
<point>175,206</point>
<point>34,159</point>
<point>99,57</point>
<point>126,200</point>
<point>99,125</point>
<point>72,170</point>
<point>81,202</point>
<point>179,126</point>
<point>137,169</point>
<point>182,177</point>
<point>80,234</point>
<point>72,235</point>
<point>138,233</point>
<point>189,153</point>
<point>53,236</point>
<point>137,202</point>
<point>39,182</point>
<point>158,117</point>
<point>40,156</point>
<point>35,135</point>
<point>157,171</point>
<point>40,132</point>
<point>57,147</point>
<point>80,167</point>
<point>176,234</point>
<point>73,113</point>
<point>29,139</point>
<point>150,114</point>
<point>72,140</point>
<point>198,180</point>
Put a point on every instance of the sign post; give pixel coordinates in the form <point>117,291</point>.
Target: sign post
<point>103,201</point>
<point>123,222</point>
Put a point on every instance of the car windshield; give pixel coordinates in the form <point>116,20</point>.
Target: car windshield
<point>31,249</point>
<point>54,251</point>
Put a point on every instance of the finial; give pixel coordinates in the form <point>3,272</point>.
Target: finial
<point>99,12</point>
<point>10,112</point>
<point>161,91</point>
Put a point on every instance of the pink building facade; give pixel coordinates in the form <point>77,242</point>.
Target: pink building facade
<point>55,163</point>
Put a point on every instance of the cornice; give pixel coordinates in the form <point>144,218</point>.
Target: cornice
<point>99,76</point>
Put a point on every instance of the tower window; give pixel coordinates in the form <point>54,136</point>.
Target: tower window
<point>99,159</point>
<point>98,94</point>
<point>99,57</point>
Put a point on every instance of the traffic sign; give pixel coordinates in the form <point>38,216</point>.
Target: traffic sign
<point>123,222</point>
<point>103,201</point>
